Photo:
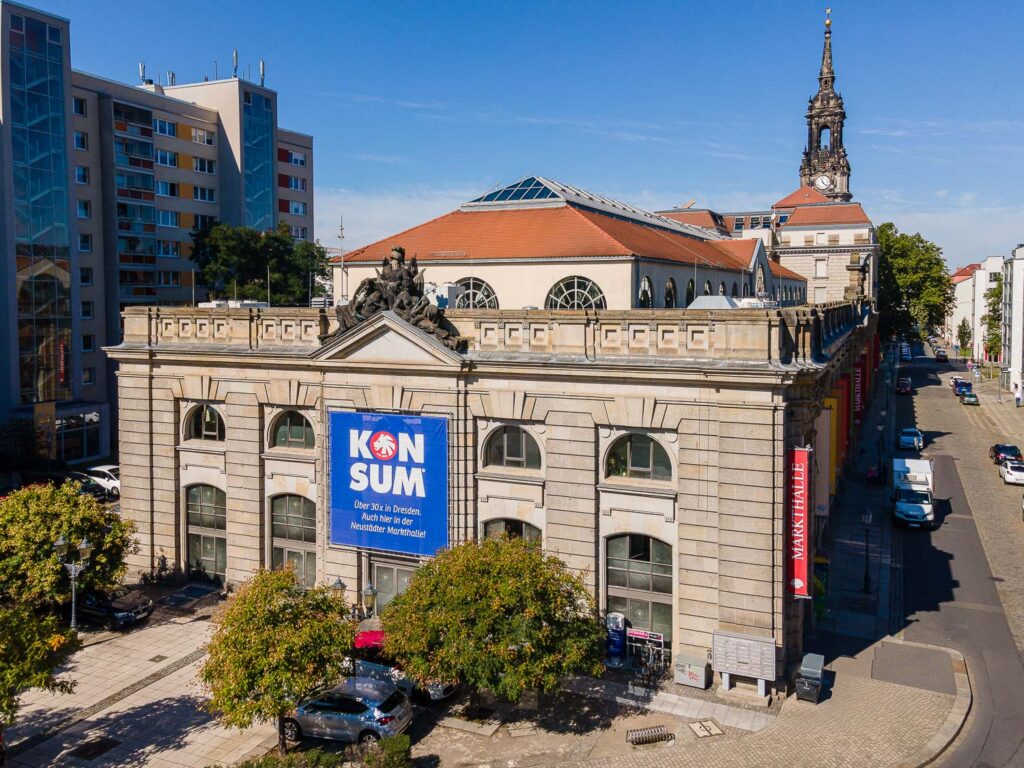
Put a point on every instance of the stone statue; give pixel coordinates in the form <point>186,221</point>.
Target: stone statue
<point>397,287</point>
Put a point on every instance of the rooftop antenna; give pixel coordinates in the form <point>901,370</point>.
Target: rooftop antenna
<point>341,228</point>
<point>214,69</point>
<point>173,78</point>
<point>142,71</point>
<point>263,72</point>
<point>234,63</point>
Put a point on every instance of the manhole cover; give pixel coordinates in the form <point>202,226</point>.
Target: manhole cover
<point>704,728</point>
<point>90,750</point>
<point>158,658</point>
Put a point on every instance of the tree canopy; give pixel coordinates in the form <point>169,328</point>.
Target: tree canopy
<point>964,335</point>
<point>31,646</point>
<point>914,282</point>
<point>993,319</point>
<point>233,262</point>
<point>273,645</point>
<point>33,518</point>
<point>497,614</point>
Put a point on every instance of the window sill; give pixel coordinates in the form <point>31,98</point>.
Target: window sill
<point>511,475</point>
<point>307,456</point>
<point>657,488</point>
<point>202,446</point>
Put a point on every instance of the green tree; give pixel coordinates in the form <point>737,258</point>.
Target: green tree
<point>497,614</point>
<point>274,644</point>
<point>993,319</point>
<point>963,336</point>
<point>914,283</point>
<point>234,262</point>
<point>31,646</point>
<point>33,518</point>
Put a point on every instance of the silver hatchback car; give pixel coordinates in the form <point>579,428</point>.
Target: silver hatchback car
<point>359,709</point>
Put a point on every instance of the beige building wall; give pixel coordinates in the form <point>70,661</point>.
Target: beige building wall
<point>294,179</point>
<point>824,255</point>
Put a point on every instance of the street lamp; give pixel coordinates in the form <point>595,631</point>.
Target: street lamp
<point>369,599</point>
<point>866,519</point>
<point>74,568</point>
<point>881,444</point>
<point>338,590</point>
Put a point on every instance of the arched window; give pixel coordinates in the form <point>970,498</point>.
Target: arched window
<point>690,293</point>
<point>646,298</point>
<point>670,294</point>
<point>735,290</point>
<point>476,294</point>
<point>721,288</point>
<point>575,293</point>
<point>293,523</point>
<point>207,517</point>
<point>707,287</point>
<point>639,578</point>
<point>512,447</point>
<point>516,529</point>
<point>205,424</point>
<point>207,507</point>
<point>636,455</point>
<point>292,430</point>
<point>775,293</point>
<point>746,289</point>
<point>824,138</point>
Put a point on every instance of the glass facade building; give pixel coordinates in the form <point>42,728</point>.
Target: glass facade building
<point>258,159</point>
<point>36,87</point>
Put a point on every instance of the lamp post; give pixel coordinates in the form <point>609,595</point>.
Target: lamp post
<point>63,550</point>
<point>338,590</point>
<point>369,594</point>
<point>881,444</point>
<point>866,519</point>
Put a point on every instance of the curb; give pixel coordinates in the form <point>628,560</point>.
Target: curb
<point>957,714</point>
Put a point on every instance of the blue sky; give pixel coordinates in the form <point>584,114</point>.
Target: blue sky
<point>418,106</point>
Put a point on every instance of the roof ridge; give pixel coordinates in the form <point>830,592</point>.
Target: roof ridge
<point>399,234</point>
<point>582,214</point>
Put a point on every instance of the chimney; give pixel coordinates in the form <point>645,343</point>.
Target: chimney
<point>142,71</point>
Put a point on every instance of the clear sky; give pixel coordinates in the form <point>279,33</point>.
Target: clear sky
<point>419,106</point>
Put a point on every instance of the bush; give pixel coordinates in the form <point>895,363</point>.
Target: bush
<point>314,758</point>
<point>392,752</point>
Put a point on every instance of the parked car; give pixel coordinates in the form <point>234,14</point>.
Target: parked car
<point>911,439</point>
<point>109,476</point>
<point>359,709</point>
<point>954,380</point>
<point>370,661</point>
<point>89,485</point>
<point>940,355</point>
<point>116,609</point>
<point>962,387</point>
<point>968,398</point>
<point>904,386</point>
<point>1012,472</point>
<point>1001,452</point>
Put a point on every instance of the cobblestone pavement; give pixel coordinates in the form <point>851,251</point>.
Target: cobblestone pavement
<point>137,703</point>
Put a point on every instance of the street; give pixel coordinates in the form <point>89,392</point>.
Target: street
<point>954,577</point>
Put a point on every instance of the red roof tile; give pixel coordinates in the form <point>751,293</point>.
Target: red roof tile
<point>780,271</point>
<point>698,218</point>
<point>830,213</point>
<point>802,196</point>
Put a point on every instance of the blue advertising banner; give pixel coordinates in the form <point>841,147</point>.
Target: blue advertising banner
<point>389,482</point>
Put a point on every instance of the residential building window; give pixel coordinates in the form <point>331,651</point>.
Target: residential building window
<point>639,456</point>
<point>292,430</point>
<point>85,243</point>
<point>821,267</point>
<point>755,222</point>
<point>514,529</point>
<point>512,447</point>
<point>87,309</point>
<point>167,188</point>
<point>476,294</point>
<point>295,182</point>
<point>164,127</point>
<point>293,523</point>
<point>297,208</point>
<point>78,106</point>
<point>639,579</point>
<point>738,224</point>
<point>296,158</point>
<point>88,342</point>
<point>390,580</point>
<point>206,510</point>
<point>205,221</point>
<point>81,140</point>
<point>820,294</point>
<point>575,293</point>
<point>300,233</point>
<point>168,218</point>
<point>168,248</point>
<point>88,376</point>
<point>166,157</point>
<point>821,238</point>
<point>202,165</point>
<point>84,209</point>
<point>202,136</point>
<point>168,277</point>
<point>206,424</point>
<point>85,276</point>
<point>81,174</point>
<point>204,194</point>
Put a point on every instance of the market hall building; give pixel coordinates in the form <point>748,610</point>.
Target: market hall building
<point>681,460</point>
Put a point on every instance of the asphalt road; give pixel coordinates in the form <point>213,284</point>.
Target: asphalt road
<point>949,591</point>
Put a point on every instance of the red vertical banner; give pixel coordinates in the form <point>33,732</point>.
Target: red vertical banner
<point>859,385</point>
<point>798,556</point>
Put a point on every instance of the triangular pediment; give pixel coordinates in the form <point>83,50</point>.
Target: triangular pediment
<point>386,338</point>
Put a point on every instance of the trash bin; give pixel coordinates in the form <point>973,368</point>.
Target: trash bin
<point>809,678</point>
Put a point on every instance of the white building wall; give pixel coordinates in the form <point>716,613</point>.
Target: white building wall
<point>984,279</point>
<point>963,308</point>
<point>1013,317</point>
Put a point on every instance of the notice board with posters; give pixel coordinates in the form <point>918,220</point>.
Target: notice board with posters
<point>389,482</point>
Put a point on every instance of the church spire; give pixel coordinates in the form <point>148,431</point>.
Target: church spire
<point>827,77</point>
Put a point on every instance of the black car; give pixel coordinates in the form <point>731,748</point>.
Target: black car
<point>1001,452</point>
<point>120,608</point>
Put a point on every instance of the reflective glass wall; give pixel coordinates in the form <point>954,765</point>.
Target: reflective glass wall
<point>258,159</point>
<point>36,53</point>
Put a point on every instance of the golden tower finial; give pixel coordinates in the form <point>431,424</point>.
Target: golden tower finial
<point>828,18</point>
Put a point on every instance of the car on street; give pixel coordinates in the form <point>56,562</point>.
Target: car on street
<point>961,387</point>
<point>968,398</point>
<point>89,485</point>
<point>1012,472</point>
<point>359,709</point>
<point>1001,452</point>
<point>904,386</point>
<point>911,439</point>
<point>940,355</point>
<point>116,609</point>
<point>954,380</point>
<point>369,661</point>
<point>109,476</point>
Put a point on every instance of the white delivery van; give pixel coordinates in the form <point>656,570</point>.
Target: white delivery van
<point>913,484</point>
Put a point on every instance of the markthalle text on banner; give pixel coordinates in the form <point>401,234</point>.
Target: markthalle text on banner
<point>798,535</point>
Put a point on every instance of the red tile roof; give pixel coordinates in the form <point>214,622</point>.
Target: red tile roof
<point>802,196</point>
<point>780,271</point>
<point>544,233</point>
<point>827,213</point>
<point>965,273</point>
<point>698,218</point>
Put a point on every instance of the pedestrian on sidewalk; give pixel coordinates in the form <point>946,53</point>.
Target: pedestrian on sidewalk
<point>1017,394</point>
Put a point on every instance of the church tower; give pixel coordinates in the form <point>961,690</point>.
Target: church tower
<point>825,166</point>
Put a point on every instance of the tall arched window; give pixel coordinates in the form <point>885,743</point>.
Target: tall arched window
<point>207,517</point>
<point>690,292</point>
<point>292,430</point>
<point>646,298</point>
<point>707,287</point>
<point>735,290</point>
<point>721,288</point>
<point>746,289</point>
<point>293,523</point>
<point>205,424</point>
<point>516,529</point>
<point>636,455</point>
<point>824,138</point>
<point>575,293</point>
<point>476,294</point>
<point>639,578</point>
<point>670,294</point>
<point>512,447</point>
